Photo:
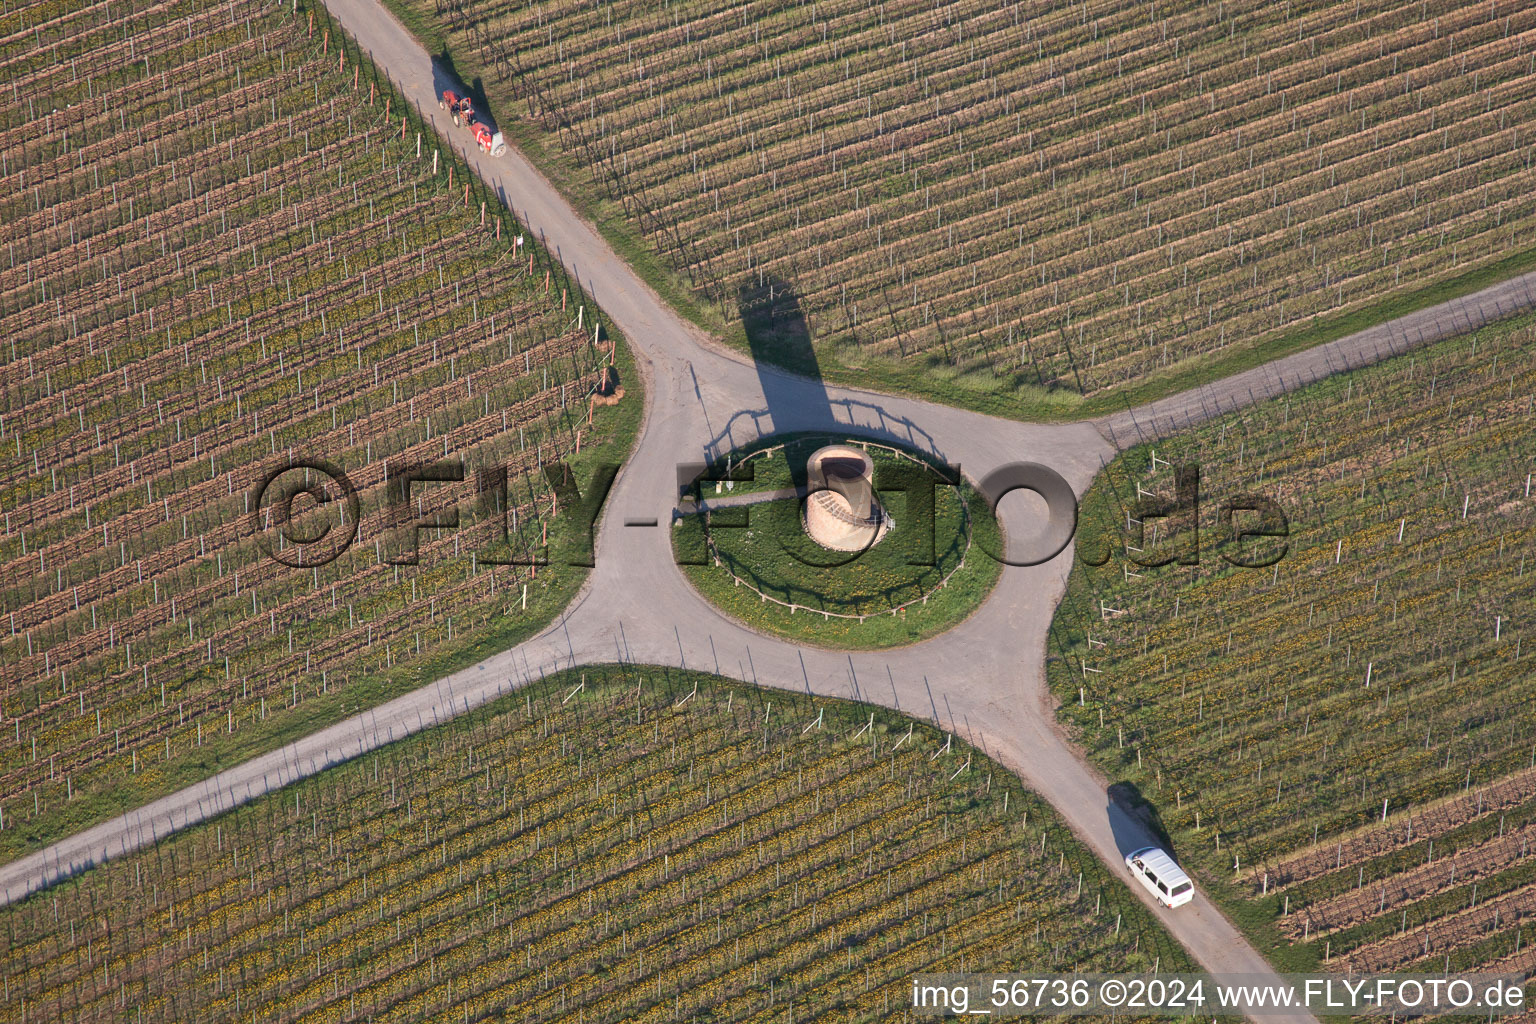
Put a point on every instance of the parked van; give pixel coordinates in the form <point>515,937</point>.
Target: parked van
<point>1162,877</point>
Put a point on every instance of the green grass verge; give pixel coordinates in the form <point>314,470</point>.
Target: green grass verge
<point>1195,372</point>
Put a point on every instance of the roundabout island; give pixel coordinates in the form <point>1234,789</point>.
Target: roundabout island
<point>838,542</point>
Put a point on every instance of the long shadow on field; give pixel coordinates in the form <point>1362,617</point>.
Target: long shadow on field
<point>1135,822</point>
<point>780,339</point>
<point>794,394</point>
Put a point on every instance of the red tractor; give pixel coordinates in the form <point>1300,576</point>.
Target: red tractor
<point>463,111</point>
<point>490,141</point>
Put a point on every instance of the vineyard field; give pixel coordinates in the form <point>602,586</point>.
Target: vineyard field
<point>1033,210</point>
<point>229,250</point>
<point>617,844</point>
<point>1344,738</point>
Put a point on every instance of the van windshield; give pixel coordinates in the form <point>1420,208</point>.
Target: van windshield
<point>1182,888</point>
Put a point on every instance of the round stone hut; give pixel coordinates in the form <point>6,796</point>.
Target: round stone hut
<point>841,511</point>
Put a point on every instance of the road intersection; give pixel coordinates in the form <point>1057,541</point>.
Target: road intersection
<point>984,680</point>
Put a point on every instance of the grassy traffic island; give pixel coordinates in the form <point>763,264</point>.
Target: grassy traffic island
<point>746,549</point>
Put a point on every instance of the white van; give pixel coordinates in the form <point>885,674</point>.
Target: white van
<point>1162,877</point>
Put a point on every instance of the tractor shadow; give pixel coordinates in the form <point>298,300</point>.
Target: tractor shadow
<point>1135,821</point>
<point>445,76</point>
